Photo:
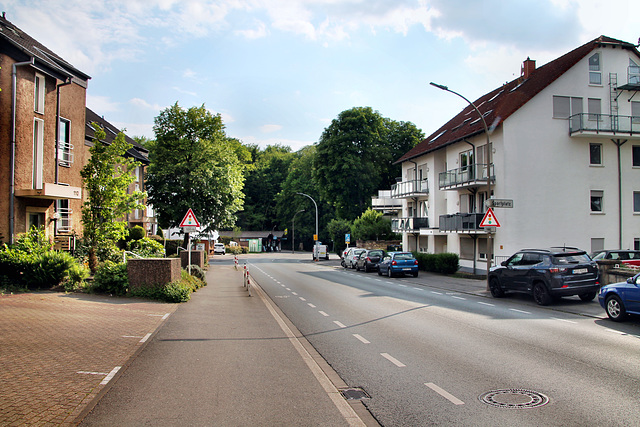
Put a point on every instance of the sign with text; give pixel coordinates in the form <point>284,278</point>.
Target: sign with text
<point>499,203</point>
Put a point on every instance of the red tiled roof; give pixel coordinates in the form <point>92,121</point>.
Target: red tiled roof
<point>497,105</point>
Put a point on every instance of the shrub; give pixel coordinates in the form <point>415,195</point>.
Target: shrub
<point>445,263</point>
<point>146,248</point>
<point>234,250</point>
<point>198,272</point>
<point>111,278</point>
<point>49,269</point>
<point>176,292</point>
<point>192,281</point>
<point>136,233</point>
<point>33,242</point>
<point>76,276</point>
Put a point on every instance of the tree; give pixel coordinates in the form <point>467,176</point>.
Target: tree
<point>355,155</point>
<point>107,176</point>
<point>193,164</point>
<point>337,229</point>
<point>371,225</point>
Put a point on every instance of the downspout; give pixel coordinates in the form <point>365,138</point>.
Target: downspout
<point>12,161</point>
<point>619,144</point>
<point>68,82</point>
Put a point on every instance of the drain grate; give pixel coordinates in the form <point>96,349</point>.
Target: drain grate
<point>354,393</point>
<point>514,398</point>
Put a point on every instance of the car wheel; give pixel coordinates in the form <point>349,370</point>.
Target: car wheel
<point>496,290</point>
<point>343,264</point>
<point>379,272</point>
<point>540,294</point>
<point>357,267</point>
<point>587,296</point>
<point>389,272</point>
<point>615,308</point>
<point>415,274</point>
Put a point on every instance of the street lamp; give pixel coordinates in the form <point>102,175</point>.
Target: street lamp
<point>316,235</point>
<point>486,132</point>
<point>293,226</point>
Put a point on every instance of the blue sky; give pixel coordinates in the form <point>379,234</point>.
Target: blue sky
<point>279,71</point>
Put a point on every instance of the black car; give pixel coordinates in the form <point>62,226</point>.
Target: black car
<point>369,259</point>
<point>546,274</point>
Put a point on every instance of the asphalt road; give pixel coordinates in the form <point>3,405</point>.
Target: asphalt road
<point>427,356</point>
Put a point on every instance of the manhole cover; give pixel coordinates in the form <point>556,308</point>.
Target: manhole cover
<point>514,398</point>
<point>354,393</point>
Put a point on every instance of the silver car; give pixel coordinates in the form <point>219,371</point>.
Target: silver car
<point>350,258</point>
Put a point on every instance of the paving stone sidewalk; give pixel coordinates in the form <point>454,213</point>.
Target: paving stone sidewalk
<point>59,351</point>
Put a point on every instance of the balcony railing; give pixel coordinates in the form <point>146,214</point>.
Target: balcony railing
<point>461,222</point>
<point>415,187</point>
<point>409,225</point>
<point>64,223</point>
<point>467,176</point>
<point>587,123</point>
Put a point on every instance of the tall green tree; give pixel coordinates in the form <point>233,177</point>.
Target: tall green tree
<point>107,176</point>
<point>355,156</point>
<point>264,181</point>
<point>371,225</point>
<point>193,164</point>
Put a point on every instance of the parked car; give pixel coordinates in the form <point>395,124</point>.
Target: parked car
<point>546,274</point>
<point>349,259</point>
<point>369,259</point>
<point>625,256</point>
<point>398,262</point>
<point>218,248</point>
<point>620,299</point>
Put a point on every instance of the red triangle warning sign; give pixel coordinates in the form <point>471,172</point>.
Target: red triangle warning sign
<point>489,219</point>
<point>189,220</point>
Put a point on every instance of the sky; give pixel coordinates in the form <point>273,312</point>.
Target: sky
<point>279,71</point>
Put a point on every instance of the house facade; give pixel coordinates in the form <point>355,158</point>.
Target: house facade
<point>564,153</point>
<point>45,136</point>
<point>42,120</point>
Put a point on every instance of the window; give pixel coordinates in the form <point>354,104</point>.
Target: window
<point>596,201</point>
<point>594,108</point>
<point>65,149</point>
<point>636,202</point>
<point>635,112</point>
<point>635,155</point>
<point>566,106</point>
<point>636,244</point>
<point>38,155</point>
<point>597,244</point>
<point>63,216</point>
<point>38,97</point>
<point>633,75</point>
<point>595,74</point>
<point>595,154</point>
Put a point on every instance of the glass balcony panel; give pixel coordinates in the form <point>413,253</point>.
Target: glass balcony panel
<point>409,188</point>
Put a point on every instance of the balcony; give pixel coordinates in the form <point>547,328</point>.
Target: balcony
<point>586,124</point>
<point>385,203</point>
<point>51,191</point>
<point>465,177</point>
<point>413,188</point>
<point>461,223</point>
<point>409,225</point>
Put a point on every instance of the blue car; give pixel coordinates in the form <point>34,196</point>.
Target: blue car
<point>398,262</point>
<point>620,299</point>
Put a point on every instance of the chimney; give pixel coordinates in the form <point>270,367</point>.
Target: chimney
<point>528,67</point>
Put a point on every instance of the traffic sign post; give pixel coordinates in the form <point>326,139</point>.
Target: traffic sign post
<point>189,225</point>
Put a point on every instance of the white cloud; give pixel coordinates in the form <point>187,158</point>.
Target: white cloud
<point>141,103</point>
<point>258,32</point>
<point>270,128</point>
<point>101,104</point>
<point>136,129</point>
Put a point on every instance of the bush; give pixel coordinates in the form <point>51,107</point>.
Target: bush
<point>136,233</point>
<point>76,276</point>
<point>111,278</point>
<point>445,263</point>
<point>198,272</point>
<point>176,292</point>
<point>234,250</point>
<point>192,281</point>
<point>49,269</point>
<point>146,248</point>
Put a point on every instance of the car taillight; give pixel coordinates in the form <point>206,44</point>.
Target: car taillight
<point>557,270</point>
<point>368,259</point>
<point>394,262</point>
<point>415,262</point>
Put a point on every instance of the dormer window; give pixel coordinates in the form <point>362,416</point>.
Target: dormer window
<point>595,71</point>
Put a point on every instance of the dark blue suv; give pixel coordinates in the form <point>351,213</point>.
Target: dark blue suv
<point>546,274</point>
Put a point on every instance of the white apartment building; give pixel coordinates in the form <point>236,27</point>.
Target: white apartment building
<point>564,147</point>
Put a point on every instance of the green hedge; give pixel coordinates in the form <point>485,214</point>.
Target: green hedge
<point>445,263</point>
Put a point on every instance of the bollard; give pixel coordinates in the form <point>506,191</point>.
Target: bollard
<point>235,261</point>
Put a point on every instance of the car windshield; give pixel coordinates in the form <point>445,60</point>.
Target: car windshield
<point>599,255</point>
<point>572,258</point>
<point>403,256</point>
<point>375,253</point>
<point>358,252</point>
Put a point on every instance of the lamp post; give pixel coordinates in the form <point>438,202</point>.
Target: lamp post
<point>488,151</point>
<point>316,235</point>
<point>293,226</point>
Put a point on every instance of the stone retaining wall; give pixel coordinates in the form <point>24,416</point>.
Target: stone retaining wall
<point>198,258</point>
<point>151,272</point>
<point>610,272</point>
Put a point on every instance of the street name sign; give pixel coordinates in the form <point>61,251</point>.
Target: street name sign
<point>499,203</point>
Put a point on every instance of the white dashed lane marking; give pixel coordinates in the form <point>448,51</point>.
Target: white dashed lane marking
<point>362,339</point>
<point>451,398</point>
<point>393,360</point>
